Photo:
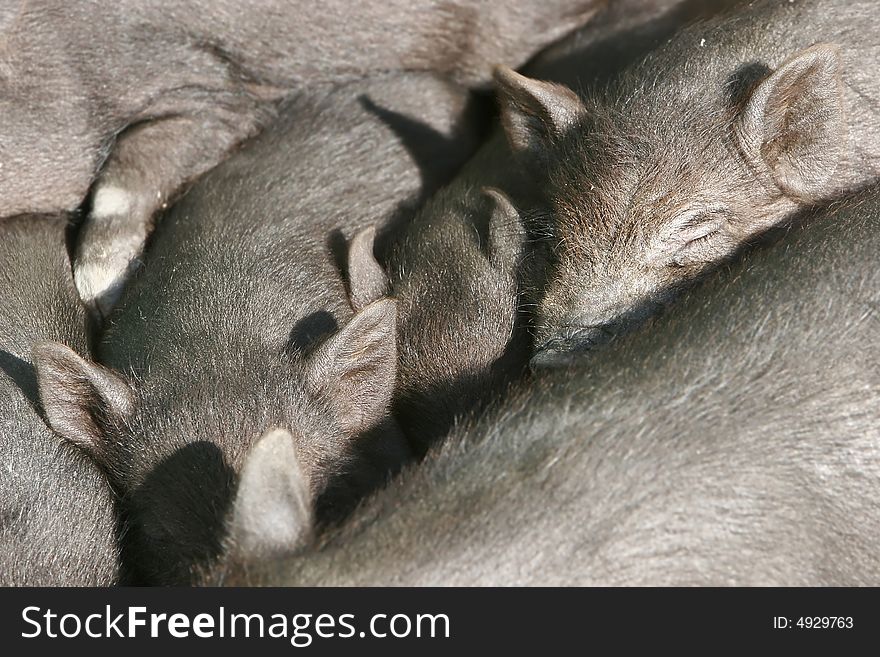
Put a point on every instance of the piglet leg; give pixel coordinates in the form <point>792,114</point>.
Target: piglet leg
<point>150,164</point>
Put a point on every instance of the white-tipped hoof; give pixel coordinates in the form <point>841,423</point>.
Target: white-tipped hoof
<point>111,202</point>
<point>100,283</point>
<point>111,241</point>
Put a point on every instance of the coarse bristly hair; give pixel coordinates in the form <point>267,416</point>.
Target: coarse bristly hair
<point>733,443</point>
<point>720,134</point>
<point>58,522</point>
<point>135,100</point>
<point>237,345</point>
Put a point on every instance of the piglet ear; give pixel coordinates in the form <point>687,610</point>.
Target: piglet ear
<point>357,366</point>
<point>81,399</point>
<point>506,231</point>
<point>534,113</point>
<point>272,512</point>
<point>366,278</point>
<point>793,124</point>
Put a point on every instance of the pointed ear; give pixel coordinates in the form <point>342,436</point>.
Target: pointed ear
<point>79,398</point>
<point>793,124</point>
<point>367,281</point>
<point>272,511</point>
<point>533,112</point>
<point>357,366</point>
<point>506,232</point>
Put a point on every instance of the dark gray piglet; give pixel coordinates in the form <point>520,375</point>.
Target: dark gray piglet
<point>147,96</point>
<point>223,460</point>
<point>462,270</point>
<point>238,344</point>
<point>57,518</point>
<point>734,443</point>
<point>454,273</point>
<point>722,133</point>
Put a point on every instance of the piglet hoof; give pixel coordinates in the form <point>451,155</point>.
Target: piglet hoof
<point>100,283</point>
<point>110,243</point>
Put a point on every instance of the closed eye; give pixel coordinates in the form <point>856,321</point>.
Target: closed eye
<point>701,230</point>
<point>688,238</point>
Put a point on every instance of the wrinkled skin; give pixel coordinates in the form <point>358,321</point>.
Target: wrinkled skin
<point>734,443</point>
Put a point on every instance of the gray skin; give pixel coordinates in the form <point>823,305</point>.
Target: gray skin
<point>223,337</point>
<point>456,270</point>
<point>723,132</point>
<point>57,519</point>
<point>151,94</point>
<point>734,443</point>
